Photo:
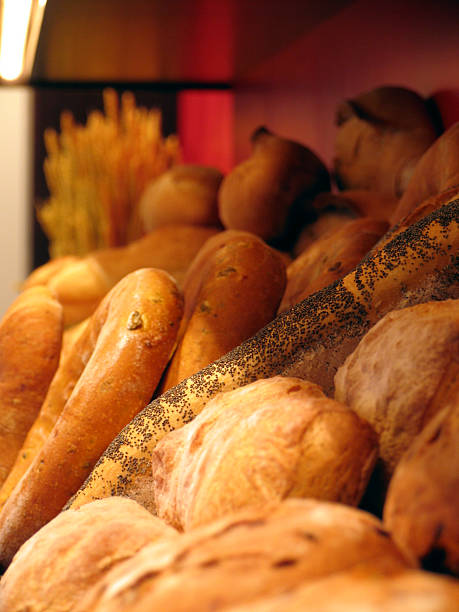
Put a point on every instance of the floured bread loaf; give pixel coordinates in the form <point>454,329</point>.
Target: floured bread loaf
<point>422,501</point>
<point>245,556</point>
<point>275,438</point>
<point>396,377</point>
<point>57,565</point>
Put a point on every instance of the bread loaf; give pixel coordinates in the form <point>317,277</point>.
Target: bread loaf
<point>64,559</point>
<point>310,341</point>
<point>264,193</point>
<point>80,285</point>
<point>233,269</point>
<point>184,194</point>
<point>245,556</point>
<point>423,495</point>
<point>275,438</point>
<point>136,327</point>
<point>365,591</point>
<point>330,258</point>
<point>436,171</point>
<point>30,343</point>
<point>74,357</point>
<point>394,378</point>
<point>381,135</point>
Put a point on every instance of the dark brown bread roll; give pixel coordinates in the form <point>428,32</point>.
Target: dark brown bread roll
<point>263,194</point>
<point>381,136</point>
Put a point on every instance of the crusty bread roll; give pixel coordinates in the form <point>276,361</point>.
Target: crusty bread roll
<point>245,556</point>
<point>80,285</point>
<point>422,503</point>
<point>185,194</point>
<point>64,559</point>
<point>394,378</point>
<point>231,271</point>
<point>263,194</point>
<point>365,591</point>
<point>436,171</point>
<point>381,136</point>
<point>135,329</point>
<point>330,258</point>
<point>310,341</point>
<point>275,438</point>
<point>30,344</point>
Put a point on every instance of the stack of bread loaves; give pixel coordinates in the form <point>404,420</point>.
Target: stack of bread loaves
<point>255,405</point>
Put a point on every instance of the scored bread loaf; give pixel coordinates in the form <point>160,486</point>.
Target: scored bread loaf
<point>245,556</point>
<point>395,377</point>
<point>30,343</point>
<point>275,438</point>
<point>80,285</point>
<point>135,328</point>
<point>310,341</point>
<point>66,557</point>
<point>423,497</point>
<point>233,269</point>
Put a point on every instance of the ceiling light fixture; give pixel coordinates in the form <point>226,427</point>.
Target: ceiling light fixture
<point>20,30</point>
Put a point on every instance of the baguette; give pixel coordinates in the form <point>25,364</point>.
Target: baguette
<point>72,362</point>
<point>136,327</point>
<point>80,285</point>
<point>30,343</point>
<point>310,341</point>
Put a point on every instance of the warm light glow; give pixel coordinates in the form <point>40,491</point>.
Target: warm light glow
<point>15,23</point>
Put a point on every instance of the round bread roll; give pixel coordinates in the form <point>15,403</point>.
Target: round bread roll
<point>381,136</point>
<point>275,438</point>
<point>263,194</point>
<point>395,377</point>
<point>186,193</point>
<point>57,565</point>
<point>365,591</point>
<point>421,508</point>
<point>330,258</point>
<point>245,556</point>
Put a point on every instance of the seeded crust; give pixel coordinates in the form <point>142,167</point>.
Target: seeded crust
<point>310,341</point>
